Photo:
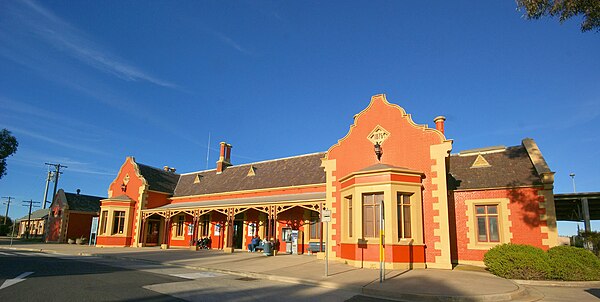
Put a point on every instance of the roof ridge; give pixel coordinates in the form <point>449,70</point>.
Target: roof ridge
<point>484,150</point>
<point>157,169</point>
<point>259,162</point>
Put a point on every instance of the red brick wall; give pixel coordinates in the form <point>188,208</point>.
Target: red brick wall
<point>524,215</point>
<point>79,225</point>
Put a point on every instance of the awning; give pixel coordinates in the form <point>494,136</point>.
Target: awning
<point>262,200</point>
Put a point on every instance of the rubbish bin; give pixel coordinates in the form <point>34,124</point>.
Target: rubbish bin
<point>268,249</point>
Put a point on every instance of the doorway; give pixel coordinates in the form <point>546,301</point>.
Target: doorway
<point>238,233</point>
<point>153,232</point>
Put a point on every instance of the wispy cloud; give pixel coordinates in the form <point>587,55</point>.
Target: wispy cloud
<point>70,40</point>
<point>227,40</point>
<point>59,142</point>
<point>37,160</point>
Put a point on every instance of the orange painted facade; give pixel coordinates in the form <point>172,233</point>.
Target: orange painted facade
<point>425,223</point>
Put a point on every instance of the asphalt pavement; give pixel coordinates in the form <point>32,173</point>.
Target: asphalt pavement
<point>407,285</point>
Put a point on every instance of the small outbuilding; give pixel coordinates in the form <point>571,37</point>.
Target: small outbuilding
<point>71,215</point>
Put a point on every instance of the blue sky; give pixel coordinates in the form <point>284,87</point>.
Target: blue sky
<point>87,83</point>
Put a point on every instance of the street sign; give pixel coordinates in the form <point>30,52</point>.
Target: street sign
<point>326,216</point>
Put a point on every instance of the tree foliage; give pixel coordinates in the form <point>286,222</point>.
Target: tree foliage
<point>8,146</point>
<point>564,9</point>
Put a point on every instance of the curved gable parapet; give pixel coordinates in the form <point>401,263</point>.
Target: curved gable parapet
<point>379,102</point>
<point>128,168</point>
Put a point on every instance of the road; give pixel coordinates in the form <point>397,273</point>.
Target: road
<point>36,276</point>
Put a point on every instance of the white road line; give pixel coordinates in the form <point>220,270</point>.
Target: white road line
<point>16,280</point>
<point>199,275</point>
<point>24,254</point>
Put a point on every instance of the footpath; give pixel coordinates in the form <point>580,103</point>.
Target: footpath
<point>407,285</point>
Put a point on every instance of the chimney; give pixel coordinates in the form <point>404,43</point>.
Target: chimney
<point>166,168</point>
<point>224,157</point>
<point>439,123</point>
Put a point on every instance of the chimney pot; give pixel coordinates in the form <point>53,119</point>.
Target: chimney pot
<point>224,157</point>
<point>78,191</point>
<point>439,123</point>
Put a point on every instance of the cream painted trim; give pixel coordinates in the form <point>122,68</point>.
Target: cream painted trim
<point>400,183</point>
<point>247,191</point>
<point>384,171</point>
<point>174,220</point>
<point>111,217</point>
<point>330,198</point>
<point>503,220</point>
<point>550,229</point>
<point>245,205</point>
<point>390,201</point>
<point>439,153</point>
<point>382,97</point>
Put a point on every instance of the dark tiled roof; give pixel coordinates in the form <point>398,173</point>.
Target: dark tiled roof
<point>285,172</point>
<point>509,168</point>
<point>158,179</point>
<point>84,203</point>
<point>38,214</point>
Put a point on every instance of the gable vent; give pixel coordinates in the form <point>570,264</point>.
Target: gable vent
<point>480,162</point>
<point>252,171</point>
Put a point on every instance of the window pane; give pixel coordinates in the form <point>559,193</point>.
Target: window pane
<point>481,229</point>
<point>406,199</point>
<point>349,207</point>
<point>493,227</point>
<point>377,220</point>
<point>407,230</point>
<point>399,214</point>
<point>480,209</point>
<point>492,210</point>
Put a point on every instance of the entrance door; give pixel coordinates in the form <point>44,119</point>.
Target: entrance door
<point>152,235</point>
<point>238,233</point>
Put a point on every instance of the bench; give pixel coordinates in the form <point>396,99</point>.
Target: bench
<point>313,247</point>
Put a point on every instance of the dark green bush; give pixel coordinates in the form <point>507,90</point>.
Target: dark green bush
<point>573,264</point>
<point>518,261</point>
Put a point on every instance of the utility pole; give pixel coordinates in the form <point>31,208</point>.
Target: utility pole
<point>48,180</point>
<point>56,173</point>
<point>7,207</point>
<point>31,202</point>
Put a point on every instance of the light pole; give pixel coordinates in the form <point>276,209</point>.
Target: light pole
<point>573,180</point>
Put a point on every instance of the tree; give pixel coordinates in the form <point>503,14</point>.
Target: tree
<point>5,228</point>
<point>8,146</point>
<point>565,9</point>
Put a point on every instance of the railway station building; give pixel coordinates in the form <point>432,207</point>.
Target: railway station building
<point>390,185</point>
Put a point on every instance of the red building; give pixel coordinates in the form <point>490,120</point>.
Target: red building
<point>387,176</point>
<point>70,216</point>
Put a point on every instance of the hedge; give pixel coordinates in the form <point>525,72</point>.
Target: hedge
<point>526,262</point>
<point>573,264</point>
<point>517,261</point>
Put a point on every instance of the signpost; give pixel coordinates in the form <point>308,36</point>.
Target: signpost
<point>326,217</point>
<point>93,231</point>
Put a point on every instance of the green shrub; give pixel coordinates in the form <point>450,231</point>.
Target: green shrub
<point>573,264</point>
<point>518,261</point>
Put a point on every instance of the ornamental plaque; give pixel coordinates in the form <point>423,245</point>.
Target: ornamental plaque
<point>378,135</point>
